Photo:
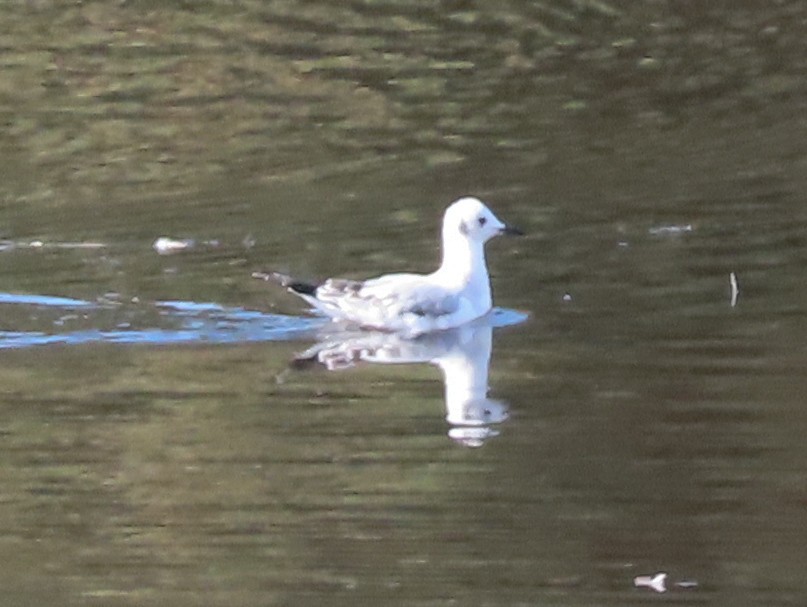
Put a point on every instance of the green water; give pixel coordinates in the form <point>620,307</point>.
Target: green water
<point>649,149</point>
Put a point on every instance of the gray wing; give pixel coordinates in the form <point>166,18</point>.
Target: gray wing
<point>380,300</point>
<point>432,304</point>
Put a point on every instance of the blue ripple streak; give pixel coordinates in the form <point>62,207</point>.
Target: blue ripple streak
<point>197,322</point>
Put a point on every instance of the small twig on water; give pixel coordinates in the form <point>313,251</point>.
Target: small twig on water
<point>735,290</point>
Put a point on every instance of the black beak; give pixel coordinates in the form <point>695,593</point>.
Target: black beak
<point>511,231</point>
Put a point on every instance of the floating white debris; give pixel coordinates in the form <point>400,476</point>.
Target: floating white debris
<point>567,297</point>
<point>735,289</point>
<point>165,245</point>
<point>40,244</point>
<point>671,230</point>
<point>77,245</point>
<point>656,582</point>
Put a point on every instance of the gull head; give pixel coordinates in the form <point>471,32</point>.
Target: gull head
<point>471,219</point>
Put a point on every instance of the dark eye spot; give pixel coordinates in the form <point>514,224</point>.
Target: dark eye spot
<point>482,220</point>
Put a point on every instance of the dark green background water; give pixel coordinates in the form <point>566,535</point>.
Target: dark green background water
<point>653,426</point>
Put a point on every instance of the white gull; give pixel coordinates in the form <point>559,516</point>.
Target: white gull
<point>413,304</point>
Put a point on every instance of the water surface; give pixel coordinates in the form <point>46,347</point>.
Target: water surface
<point>158,448</point>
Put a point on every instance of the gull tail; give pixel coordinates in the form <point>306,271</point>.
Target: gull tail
<point>295,286</point>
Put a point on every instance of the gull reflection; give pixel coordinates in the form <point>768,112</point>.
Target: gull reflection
<point>462,354</point>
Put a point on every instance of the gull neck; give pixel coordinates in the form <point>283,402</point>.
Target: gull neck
<point>464,265</point>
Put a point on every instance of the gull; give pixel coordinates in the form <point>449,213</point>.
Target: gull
<point>413,304</point>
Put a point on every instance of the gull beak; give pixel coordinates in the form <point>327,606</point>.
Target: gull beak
<point>511,231</point>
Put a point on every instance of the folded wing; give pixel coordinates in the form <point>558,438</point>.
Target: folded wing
<point>382,301</point>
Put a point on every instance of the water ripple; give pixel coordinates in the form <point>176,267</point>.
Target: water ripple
<point>177,322</point>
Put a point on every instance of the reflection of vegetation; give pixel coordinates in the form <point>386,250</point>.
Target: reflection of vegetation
<point>105,98</point>
<point>135,472</point>
<point>124,98</point>
<point>169,471</point>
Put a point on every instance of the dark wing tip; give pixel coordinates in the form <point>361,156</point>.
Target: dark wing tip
<point>284,280</point>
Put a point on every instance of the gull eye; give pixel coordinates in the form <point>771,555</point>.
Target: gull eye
<point>482,221</point>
